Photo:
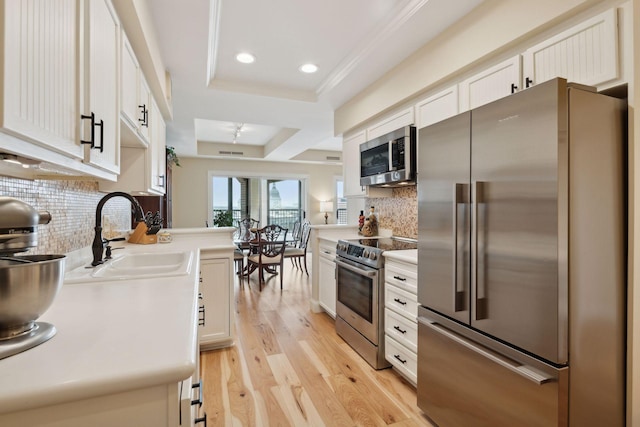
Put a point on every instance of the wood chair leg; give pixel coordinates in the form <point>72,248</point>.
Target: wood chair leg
<point>305,265</point>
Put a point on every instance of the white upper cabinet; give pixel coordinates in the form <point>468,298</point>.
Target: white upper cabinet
<point>586,53</point>
<point>101,79</point>
<point>60,63</point>
<point>391,123</point>
<point>144,105</point>
<point>490,84</point>
<point>41,82</point>
<point>136,100</point>
<point>351,164</point>
<point>130,113</point>
<point>143,169</point>
<point>158,153</point>
<point>437,107</point>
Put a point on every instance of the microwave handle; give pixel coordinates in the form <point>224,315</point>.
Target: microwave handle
<point>390,144</point>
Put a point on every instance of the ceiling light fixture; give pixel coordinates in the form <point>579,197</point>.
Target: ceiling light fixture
<point>236,132</point>
<point>245,58</point>
<point>308,68</point>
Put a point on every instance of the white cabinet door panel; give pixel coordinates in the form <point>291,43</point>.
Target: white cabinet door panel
<point>41,74</point>
<point>327,282</point>
<point>493,83</point>
<point>103,70</point>
<point>586,54</point>
<point>437,107</point>
<point>391,123</point>
<point>351,164</point>
<point>216,297</point>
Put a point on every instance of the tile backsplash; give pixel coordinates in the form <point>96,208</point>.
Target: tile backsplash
<point>72,205</point>
<point>398,213</point>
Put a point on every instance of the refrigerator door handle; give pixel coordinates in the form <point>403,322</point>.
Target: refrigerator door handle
<point>459,208</point>
<point>478,268</point>
<point>523,370</point>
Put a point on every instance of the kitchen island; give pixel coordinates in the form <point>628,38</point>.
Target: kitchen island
<point>123,348</point>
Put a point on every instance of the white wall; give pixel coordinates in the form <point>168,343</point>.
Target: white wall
<point>190,185</point>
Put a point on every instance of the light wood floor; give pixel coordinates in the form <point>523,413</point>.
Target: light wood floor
<point>288,367</point>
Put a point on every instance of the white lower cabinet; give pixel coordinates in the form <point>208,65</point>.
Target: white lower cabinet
<point>400,317</point>
<point>216,300</point>
<point>327,278</point>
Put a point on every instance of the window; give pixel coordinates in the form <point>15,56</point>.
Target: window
<point>230,194</point>
<point>341,202</point>
<point>284,204</point>
<point>245,197</point>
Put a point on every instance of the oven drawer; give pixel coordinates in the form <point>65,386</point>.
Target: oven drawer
<point>402,359</point>
<point>402,275</point>
<point>401,301</point>
<point>401,329</point>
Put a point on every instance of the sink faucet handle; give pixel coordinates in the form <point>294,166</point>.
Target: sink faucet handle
<point>107,254</point>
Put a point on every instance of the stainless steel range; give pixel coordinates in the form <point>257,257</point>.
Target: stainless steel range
<point>360,294</point>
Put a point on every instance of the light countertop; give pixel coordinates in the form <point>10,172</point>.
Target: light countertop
<point>113,336</point>
<point>406,255</point>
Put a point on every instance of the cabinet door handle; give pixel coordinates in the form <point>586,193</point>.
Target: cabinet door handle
<point>402,279</point>
<point>92,141</point>
<point>161,180</point>
<point>397,356</point>
<point>397,328</point>
<point>201,320</point>
<point>145,115</point>
<point>91,117</point>
<point>197,401</point>
<point>514,88</point>
<point>101,146</point>
<point>201,419</point>
<point>399,301</point>
<point>528,82</point>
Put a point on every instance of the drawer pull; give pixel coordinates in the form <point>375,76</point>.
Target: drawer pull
<point>397,356</point>
<point>197,401</point>
<point>399,301</point>
<point>397,328</point>
<point>402,279</point>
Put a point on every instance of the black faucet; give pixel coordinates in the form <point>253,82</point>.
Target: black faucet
<point>98,242</point>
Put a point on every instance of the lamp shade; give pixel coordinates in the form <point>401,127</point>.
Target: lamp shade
<point>326,206</point>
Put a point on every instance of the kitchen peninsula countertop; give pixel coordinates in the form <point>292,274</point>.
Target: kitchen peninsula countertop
<point>114,336</point>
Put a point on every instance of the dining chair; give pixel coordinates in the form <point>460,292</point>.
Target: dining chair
<point>246,229</point>
<point>295,235</point>
<point>267,252</point>
<point>298,254</point>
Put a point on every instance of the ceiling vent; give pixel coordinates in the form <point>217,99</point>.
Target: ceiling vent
<point>333,158</point>
<point>232,153</point>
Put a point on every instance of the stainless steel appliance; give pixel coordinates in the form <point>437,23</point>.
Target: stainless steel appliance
<point>28,283</point>
<point>360,294</point>
<point>389,160</point>
<point>521,262</point>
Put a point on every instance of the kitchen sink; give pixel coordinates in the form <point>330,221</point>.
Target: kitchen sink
<point>135,266</point>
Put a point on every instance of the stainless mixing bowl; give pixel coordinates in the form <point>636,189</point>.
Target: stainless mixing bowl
<point>27,290</point>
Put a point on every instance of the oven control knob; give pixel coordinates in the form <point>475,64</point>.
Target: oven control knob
<point>365,253</point>
<point>372,255</point>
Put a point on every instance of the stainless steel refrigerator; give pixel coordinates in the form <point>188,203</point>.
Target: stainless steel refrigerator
<point>521,261</point>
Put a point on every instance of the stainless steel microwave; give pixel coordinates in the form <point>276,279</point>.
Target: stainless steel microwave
<point>389,160</point>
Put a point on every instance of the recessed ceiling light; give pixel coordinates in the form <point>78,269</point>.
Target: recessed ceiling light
<point>308,68</point>
<point>245,58</point>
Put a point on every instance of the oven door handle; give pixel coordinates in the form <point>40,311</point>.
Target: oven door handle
<point>359,270</point>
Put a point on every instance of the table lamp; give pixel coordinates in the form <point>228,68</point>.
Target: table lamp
<point>326,207</point>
